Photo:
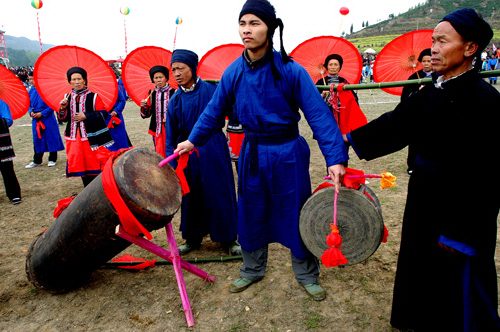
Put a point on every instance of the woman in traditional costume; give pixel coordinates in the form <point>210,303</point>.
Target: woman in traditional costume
<point>86,134</point>
<point>155,106</point>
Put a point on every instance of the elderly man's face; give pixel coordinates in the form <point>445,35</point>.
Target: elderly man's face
<point>182,74</point>
<point>451,55</point>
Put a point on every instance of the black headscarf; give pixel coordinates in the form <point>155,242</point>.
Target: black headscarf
<point>266,12</point>
<point>425,52</point>
<point>76,70</point>
<point>156,69</point>
<point>471,26</point>
<point>336,57</point>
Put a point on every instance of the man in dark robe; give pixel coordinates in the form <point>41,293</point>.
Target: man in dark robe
<point>210,205</point>
<point>446,278</point>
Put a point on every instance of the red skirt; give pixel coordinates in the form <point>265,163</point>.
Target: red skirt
<point>160,143</point>
<point>82,160</point>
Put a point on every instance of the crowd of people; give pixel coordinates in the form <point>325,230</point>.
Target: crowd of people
<point>447,249</point>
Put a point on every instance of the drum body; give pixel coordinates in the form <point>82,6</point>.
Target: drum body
<point>358,218</point>
<point>83,237</point>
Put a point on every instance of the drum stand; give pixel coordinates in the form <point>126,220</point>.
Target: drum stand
<point>177,262</point>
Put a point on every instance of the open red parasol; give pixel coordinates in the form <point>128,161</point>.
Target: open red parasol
<point>399,58</point>
<point>51,81</point>
<point>135,70</point>
<point>216,60</point>
<point>312,53</point>
<point>13,93</point>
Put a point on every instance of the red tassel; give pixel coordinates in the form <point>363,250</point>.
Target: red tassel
<point>334,239</point>
<point>333,257</point>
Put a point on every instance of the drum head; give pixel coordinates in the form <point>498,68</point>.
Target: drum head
<point>359,222</point>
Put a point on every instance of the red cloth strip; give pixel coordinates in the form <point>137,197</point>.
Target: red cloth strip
<point>181,165</point>
<point>127,219</point>
<point>114,121</point>
<point>39,127</point>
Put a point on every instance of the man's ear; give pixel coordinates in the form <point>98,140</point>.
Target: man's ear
<point>470,48</point>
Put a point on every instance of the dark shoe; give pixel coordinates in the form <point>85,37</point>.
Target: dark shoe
<point>240,284</point>
<point>187,247</point>
<point>315,291</point>
<point>16,200</point>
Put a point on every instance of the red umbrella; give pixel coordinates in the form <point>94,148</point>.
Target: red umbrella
<point>399,58</point>
<point>51,81</point>
<point>215,61</point>
<point>135,70</point>
<point>13,92</point>
<point>312,53</point>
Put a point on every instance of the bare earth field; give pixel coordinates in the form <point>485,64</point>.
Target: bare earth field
<point>359,296</point>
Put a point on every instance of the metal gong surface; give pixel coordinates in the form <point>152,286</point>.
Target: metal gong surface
<point>358,219</point>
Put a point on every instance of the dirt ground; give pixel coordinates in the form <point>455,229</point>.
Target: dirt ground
<point>359,296</point>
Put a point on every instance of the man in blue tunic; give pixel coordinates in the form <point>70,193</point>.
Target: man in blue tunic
<point>446,277</point>
<point>210,206</point>
<point>266,89</point>
<point>46,135</point>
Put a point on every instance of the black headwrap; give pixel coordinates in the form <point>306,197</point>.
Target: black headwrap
<point>266,12</point>
<point>336,57</point>
<point>76,70</point>
<point>425,52</point>
<point>188,57</point>
<point>471,26</point>
<point>156,69</point>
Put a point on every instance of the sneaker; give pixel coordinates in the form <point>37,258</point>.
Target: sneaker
<point>51,163</point>
<point>16,200</point>
<point>186,247</point>
<point>32,165</point>
<point>240,284</point>
<point>315,291</point>
<point>235,249</point>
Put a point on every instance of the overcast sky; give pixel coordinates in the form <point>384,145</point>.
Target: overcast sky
<point>99,26</point>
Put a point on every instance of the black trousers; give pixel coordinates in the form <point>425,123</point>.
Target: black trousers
<point>12,187</point>
<point>37,157</point>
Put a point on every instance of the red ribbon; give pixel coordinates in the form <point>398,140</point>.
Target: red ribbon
<point>127,219</point>
<point>114,121</point>
<point>138,263</point>
<point>62,204</point>
<point>181,165</point>
<point>39,127</point>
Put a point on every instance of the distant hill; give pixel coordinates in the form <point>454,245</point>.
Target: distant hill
<point>423,16</point>
<point>23,51</point>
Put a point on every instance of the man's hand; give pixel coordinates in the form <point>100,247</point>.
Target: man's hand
<point>184,147</point>
<point>336,172</point>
